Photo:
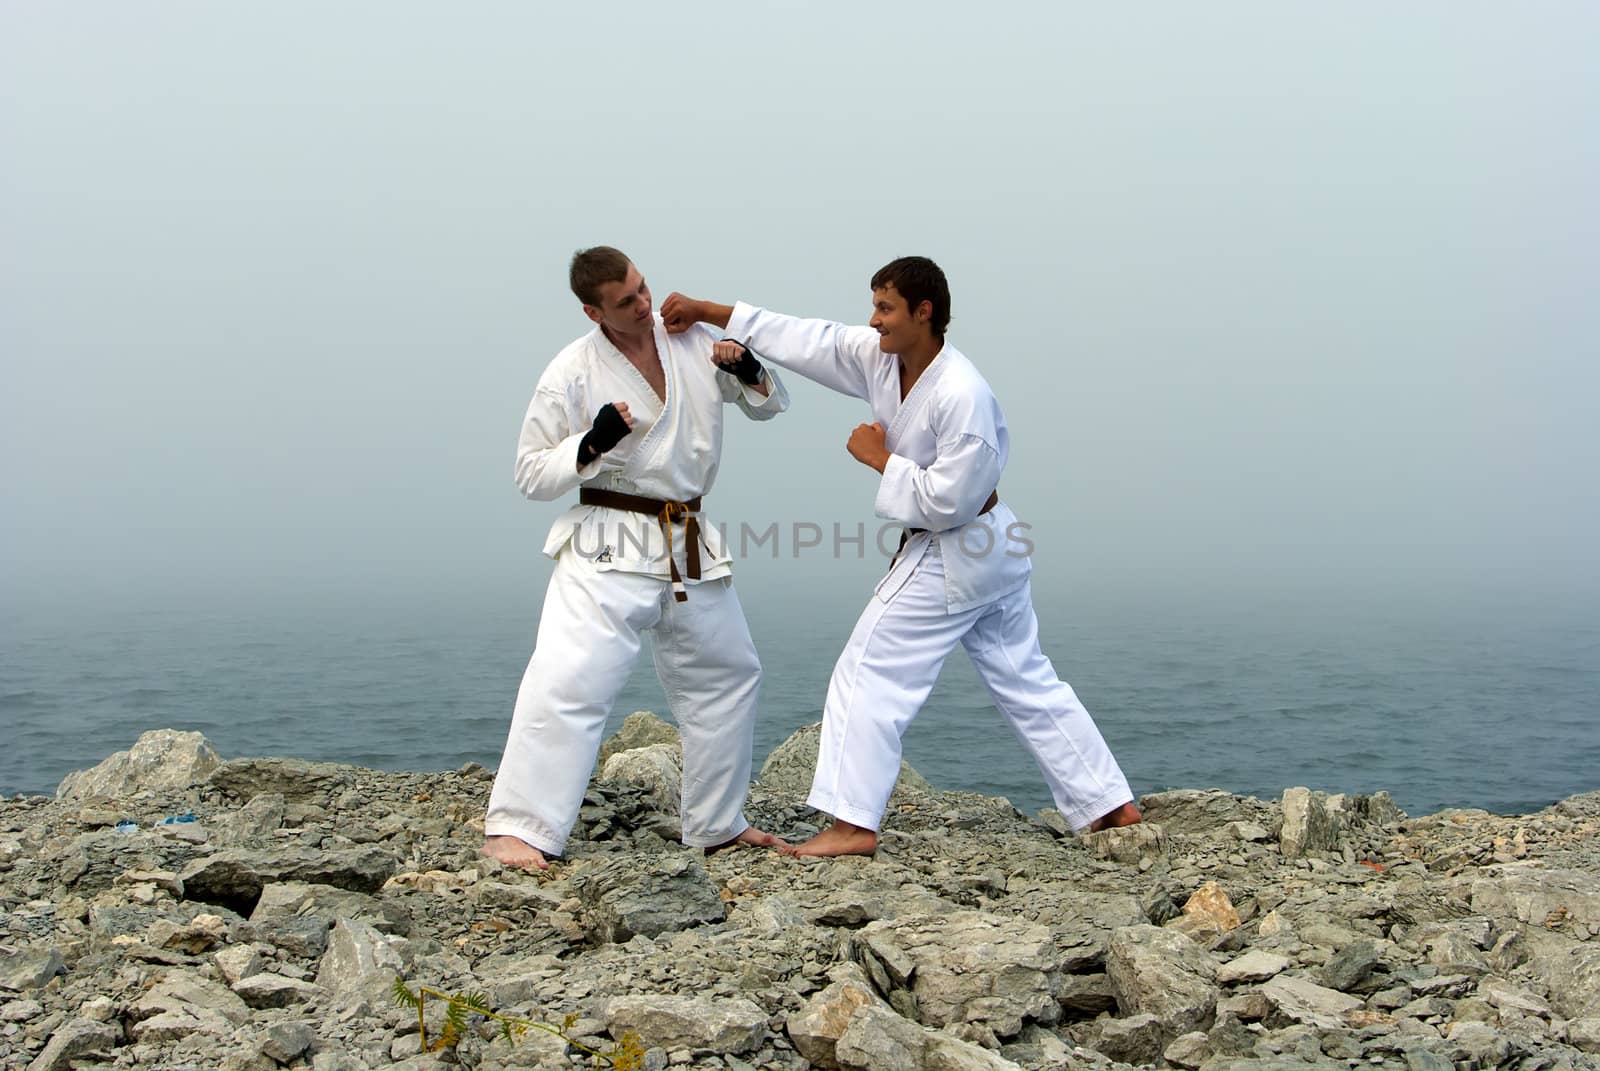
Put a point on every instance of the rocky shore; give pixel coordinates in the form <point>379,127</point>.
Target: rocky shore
<point>169,909</point>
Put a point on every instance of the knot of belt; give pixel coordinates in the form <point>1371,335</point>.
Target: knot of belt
<point>667,513</point>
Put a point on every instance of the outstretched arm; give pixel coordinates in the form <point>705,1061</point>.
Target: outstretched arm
<point>680,313</point>
<point>837,356</point>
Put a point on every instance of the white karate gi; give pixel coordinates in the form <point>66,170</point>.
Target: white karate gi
<point>963,580</point>
<point>610,585</point>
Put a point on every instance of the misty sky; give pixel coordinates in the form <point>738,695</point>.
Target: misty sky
<point>1268,292</point>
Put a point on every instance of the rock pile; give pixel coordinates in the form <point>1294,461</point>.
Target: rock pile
<point>170,909</point>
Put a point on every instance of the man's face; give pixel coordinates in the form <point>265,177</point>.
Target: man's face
<point>899,327</point>
<point>624,307</point>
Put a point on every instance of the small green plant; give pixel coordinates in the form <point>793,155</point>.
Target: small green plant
<point>627,1054</point>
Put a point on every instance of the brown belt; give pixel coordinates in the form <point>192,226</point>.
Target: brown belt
<point>990,503</point>
<point>665,513</point>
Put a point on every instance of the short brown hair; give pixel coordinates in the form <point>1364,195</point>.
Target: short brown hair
<point>918,279</point>
<point>592,267</point>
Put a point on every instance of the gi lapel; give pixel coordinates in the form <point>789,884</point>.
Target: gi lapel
<point>918,397</point>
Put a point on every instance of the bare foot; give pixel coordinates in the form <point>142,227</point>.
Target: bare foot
<point>513,851</point>
<point>1126,815</point>
<point>752,836</point>
<point>841,838</point>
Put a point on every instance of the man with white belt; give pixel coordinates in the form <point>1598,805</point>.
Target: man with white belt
<point>632,418</point>
<point>940,442</point>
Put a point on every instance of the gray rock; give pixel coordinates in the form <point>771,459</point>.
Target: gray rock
<point>359,960</point>
<point>1289,1061</point>
<point>296,780</point>
<point>1230,1037</point>
<point>328,902</point>
<point>1086,994</point>
<point>522,896</point>
<point>640,729</point>
<point>788,769</point>
<point>1378,809</point>
<point>284,1041</point>
<point>20,1011</point>
<point>1308,824</point>
<point>1477,1045</point>
<point>187,992</point>
<point>200,934</point>
<point>879,1040</point>
<point>1582,805</point>
<point>718,1024</point>
<point>1513,998</point>
<point>276,991</point>
<point>1137,1039</point>
<point>1203,813</point>
<point>1256,965</point>
<point>159,760</point>
<point>77,1038</point>
<point>1144,844</point>
<point>819,1024</point>
<point>769,917</point>
<point>1188,1051</point>
<point>238,962</point>
<point>1573,980</point>
<point>237,876</point>
<point>1248,1006</point>
<point>1351,966</point>
<point>968,967</point>
<point>256,820</point>
<point>1080,923</point>
<point>1158,972</point>
<point>180,1024</point>
<point>1306,1002</point>
<point>1548,898</point>
<point>1454,952</point>
<point>418,1062</point>
<point>1420,1059</point>
<point>306,938</point>
<point>657,768</point>
<point>878,896</point>
<point>111,920</point>
<point>649,896</point>
<point>1584,1034</point>
<point>29,968</point>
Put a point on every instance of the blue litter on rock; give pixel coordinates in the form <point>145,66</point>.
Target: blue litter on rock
<point>126,826</point>
<point>175,819</point>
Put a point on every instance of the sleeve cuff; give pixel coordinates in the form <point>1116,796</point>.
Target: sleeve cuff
<point>739,323</point>
<point>569,463</point>
<point>895,488</point>
<point>756,399</point>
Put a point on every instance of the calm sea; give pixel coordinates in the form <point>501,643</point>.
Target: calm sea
<point>1444,701</point>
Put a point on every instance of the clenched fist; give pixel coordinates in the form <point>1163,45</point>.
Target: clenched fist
<point>680,313</point>
<point>866,445</point>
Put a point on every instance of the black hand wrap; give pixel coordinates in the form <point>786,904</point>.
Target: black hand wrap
<point>747,368</point>
<point>608,430</point>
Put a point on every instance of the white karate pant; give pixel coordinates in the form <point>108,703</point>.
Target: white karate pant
<point>589,638</point>
<point>888,668</point>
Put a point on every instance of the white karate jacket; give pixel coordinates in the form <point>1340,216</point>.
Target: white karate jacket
<point>672,452</point>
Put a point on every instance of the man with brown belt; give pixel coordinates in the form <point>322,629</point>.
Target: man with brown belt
<point>634,417</point>
<point>940,442</point>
